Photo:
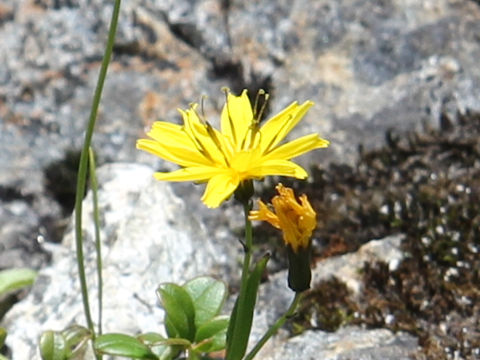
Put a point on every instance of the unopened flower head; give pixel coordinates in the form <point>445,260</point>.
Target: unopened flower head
<point>297,220</point>
<point>239,152</point>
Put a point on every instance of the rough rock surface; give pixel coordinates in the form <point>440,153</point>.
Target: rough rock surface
<point>150,238</point>
<point>347,343</point>
<point>368,65</point>
<point>275,296</point>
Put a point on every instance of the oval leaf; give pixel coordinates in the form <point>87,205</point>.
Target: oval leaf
<point>213,335</point>
<point>76,338</point>
<point>122,345</point>
<point>157,343</point>
<point>14,279</point>
<point>151,338</point>
<point>211,328</point>
<point>53,346</point>
<point>208,296</point>
<point>180,310</point>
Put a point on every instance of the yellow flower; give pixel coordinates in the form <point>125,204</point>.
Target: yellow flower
<point>296,220</point>
<point>239,152</point>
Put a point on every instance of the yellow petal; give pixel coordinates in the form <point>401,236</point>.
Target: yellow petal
<point>188,174</point>
<point>170,134</point>
<point>197,132</point>
<point>264,214</point>
<point>173,140</point>
<point>237,117</point>
<point>278,167</point>
<point>276,128</point>
<point>298,147</point>
<point>219,188</point>
<point>182,156</point>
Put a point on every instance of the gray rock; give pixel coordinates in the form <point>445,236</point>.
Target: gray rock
<point>149,237</point>
<point>369,66</point>
<point>275,296</point>
<point>347,343</point>
<point>19,225</point>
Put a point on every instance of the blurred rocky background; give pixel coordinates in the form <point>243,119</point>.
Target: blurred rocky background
<point>377,71</point>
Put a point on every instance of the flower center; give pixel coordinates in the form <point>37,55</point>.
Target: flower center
<point>243,161</point>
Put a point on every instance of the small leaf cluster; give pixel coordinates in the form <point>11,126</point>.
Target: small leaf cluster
<point>70,343</point>
<point>192,323</point>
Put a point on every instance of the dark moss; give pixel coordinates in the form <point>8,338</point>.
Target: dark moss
<point>326,307</point>
<point>427,186</point>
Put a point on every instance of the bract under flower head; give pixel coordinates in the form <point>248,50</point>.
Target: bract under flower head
<point>240,151</point>
<point>296,220</point>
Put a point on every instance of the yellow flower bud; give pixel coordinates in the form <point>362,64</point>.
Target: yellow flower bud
<point>297,220</point>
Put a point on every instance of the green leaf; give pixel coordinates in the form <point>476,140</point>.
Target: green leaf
<point>180,310</point>
<point>212,334</point>
<point>184,343</point>
<point>211,328</point>
<point>76,338</point>
<point>192,355</point>
<point>157,343</point>
<point>242,315</point>
<point>208,296</point>
<point>14,279</point>
<point>53,346</point>
<point>123,345</point>
<point>151,338</point>
<point>3,336</point>
<point>172,332</point>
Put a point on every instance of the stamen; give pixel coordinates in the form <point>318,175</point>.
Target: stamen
<point>210,132</point>
<point>255,106</point>
<point>264,105</point>
<point>188,129</point>
<point>202,108</point>
<point>257,115</point>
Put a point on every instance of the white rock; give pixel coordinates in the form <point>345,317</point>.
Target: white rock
<point>149,237</point>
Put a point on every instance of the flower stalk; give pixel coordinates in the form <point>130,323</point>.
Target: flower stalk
<point>275,327</point>
<point>83,165</point>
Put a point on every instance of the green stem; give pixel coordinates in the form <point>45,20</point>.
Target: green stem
<point>98,243</point>
<point>82,167</point>
<point>274,328</point>
<point>240,325</point>
<point>248,253</point>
